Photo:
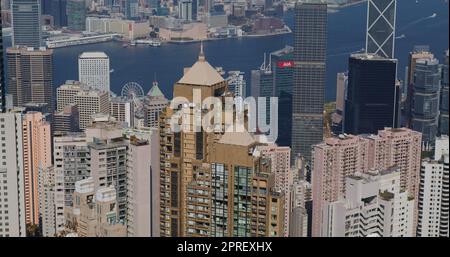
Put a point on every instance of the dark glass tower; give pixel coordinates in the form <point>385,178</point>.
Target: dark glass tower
<point>26,23</point>
<point>310,39</point>
<point>372,95</point>
<point>59,13</point>
<point>425,99</point>
<point>380,35</point>
<point>443,120</point>
<point>2,76</point>
<point>282,70</point>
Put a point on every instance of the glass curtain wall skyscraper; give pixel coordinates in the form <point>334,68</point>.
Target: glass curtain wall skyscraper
<point>380,35</point>
<point>2,76</point>
<point>310,39</point>
<point>26,23</point>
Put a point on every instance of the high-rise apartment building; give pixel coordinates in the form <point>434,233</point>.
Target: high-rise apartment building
<point>122,110</point>
<point>26,23</point>
<point>94,213</point>
<point>374,205</point>
<point>12,208</point>
<point>143,185</point>
<point>154,104</point>
<point>76,15</point>
<point>434,192</point>
<point>93,70</point>
<point>343,156</point>
<point>280,159</point>
<point>310,39</point>
<point>425,99</point>
<point>214,184</point>
<point>89,101</point>
<point>37,154</point>
<point>443,104</point>
<point>372,101</point>
<point>30,75</point>
<point>380,32</point>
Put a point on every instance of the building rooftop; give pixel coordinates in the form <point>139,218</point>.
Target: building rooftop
<point>237,138</point>
<point>372,57</point>
<point>89,55</point>
<point>201,73</point>
<point>155,91</point>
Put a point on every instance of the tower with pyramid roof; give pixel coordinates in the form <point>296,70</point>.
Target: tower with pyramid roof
<point>154,104</point>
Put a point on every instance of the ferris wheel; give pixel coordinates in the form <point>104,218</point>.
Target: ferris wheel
<point>134,92</point>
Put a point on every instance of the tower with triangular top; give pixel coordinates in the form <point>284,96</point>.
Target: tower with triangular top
<point>154,104</point>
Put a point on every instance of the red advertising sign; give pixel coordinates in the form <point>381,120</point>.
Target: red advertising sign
<point>285,64</point>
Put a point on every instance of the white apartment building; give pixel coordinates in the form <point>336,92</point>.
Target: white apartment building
<point>93,70</point>
<point>122,110</point>
<point>374,204</point>
<point>12,206</point>
<point>434,192</point>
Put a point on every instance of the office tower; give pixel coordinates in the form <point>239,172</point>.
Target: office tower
<point>143,185</point>
<point>58,11</point>
<point>200,169</point>
<point>93,70</point>
<point>94,213</point>
<point>76,15</point>
<point>310,38</point>
<point>152,3</point>
<point>342,156</point>
<point>280,159</point>
<point>425,99</point>
<point>185,10</point>
<point>122,110</point>
<point>131,9</point>
<point>37,153</point>
<point>262,86</point>
<point>372,97</point>
<point>26,23</point>
<point>12,209</point>
<point>89,101</point>
<point>380,33</point>
<point>434,192</point>
<point>236,83</point>
<point>282,70</point>
<point>2,75</point>
<point>419,52</point>
<point>30,75</point>
<point>154,104</point>
<point>374,205</point>
<point>67,120</point>
<point>443,104</point>
<point>341,89</point>
<point>47,206</point>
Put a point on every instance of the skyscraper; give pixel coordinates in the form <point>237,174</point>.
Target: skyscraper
<point>374,205</point>
<point>93,70</point>
<point>37,154</point>
<point>131,9</point>
<point>26,23</point>
<point>30,76</point>
<point>310,38</point>
<point>185,10</point>
<point>372,99</point>
<point>425,99</point>
<point>380,33</point>
<point>89,101</point>
<point>11,176</point>
<point>434,192</point>
<point>443,119</point>
<point>2,75</point>
<point>343,156</point>
<point>154,104</point>
<point>59,12</point>
<point>76,15</point>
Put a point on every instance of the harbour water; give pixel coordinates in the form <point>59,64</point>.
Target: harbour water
<point>422,22</point>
